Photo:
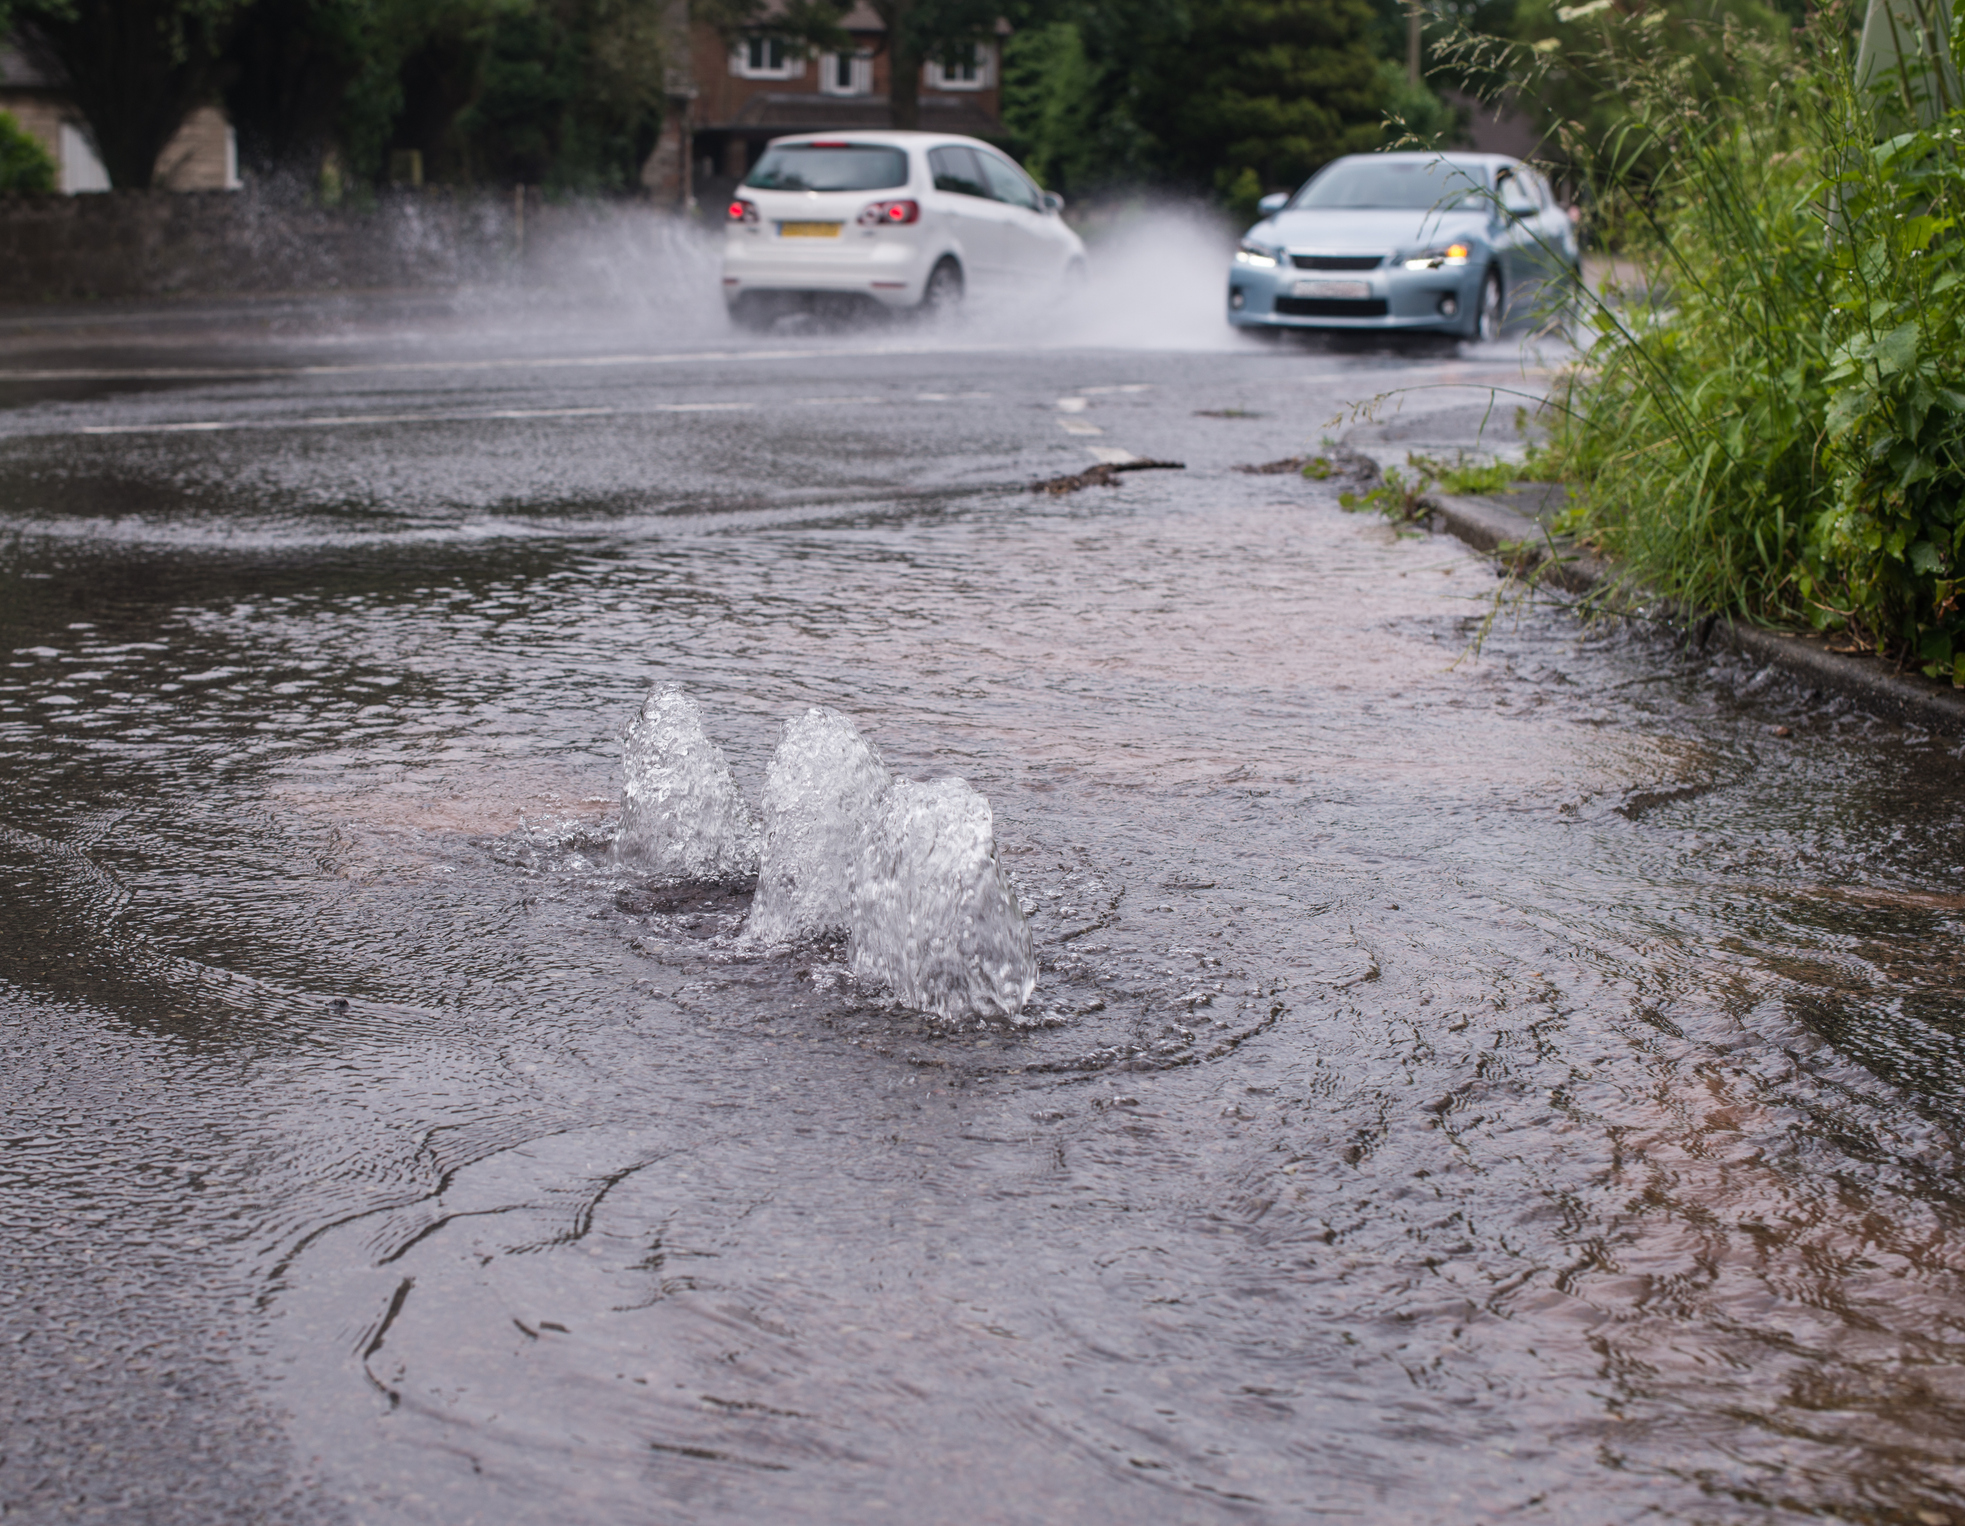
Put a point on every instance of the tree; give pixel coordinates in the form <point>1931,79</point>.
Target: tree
<point>135,68</point>
<point>1050,100</point>
<point>1226,97</point>
<point>924,31</point>
<point>291,64</point>
<point>573,94</point>
<point>1279,87</point>
<point>1578,96</point>
<point>1074,79</point>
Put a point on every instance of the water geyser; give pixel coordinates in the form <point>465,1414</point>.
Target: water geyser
<point>824,784</point>
<point>682,815</point>
<point>907,871</point>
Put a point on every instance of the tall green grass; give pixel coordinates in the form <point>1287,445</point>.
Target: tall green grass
<point>1769,417</point>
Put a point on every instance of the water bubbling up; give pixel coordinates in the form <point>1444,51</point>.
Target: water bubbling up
<point>907,871</point>
<point>933,918</point>
<point>682,815</point>
<point>824,784</point>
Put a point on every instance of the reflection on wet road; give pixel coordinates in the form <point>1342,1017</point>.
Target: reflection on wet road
<point>1467,1088</point>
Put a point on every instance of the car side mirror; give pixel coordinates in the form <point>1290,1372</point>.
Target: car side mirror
<point>1273,203</point>
<point>1053,203</point>
<point>1515,200</point>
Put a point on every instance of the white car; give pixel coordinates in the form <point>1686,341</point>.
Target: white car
<point>904,219</point>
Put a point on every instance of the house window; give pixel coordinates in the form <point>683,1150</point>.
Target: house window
<point>846,73</point>
<point>765,58</point>
<point>969,68</point>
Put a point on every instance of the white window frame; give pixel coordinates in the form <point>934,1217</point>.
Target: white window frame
<point>861,78</point>
<point>935,77</point>
<point>789,65</point>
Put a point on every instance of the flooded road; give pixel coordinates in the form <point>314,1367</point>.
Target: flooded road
<point>1521,1085</point>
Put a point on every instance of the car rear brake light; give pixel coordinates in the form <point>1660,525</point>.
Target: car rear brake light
<point>891,213</point>
<point>828,143</point>
<point>742,211</point>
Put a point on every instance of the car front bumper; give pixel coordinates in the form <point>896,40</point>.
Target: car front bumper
<point>1282,296</point>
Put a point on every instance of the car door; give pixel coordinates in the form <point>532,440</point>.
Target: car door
<point>1558,233</point>
<point>965,199</point>
<point>1520,234</point>
<point>1028,246</point>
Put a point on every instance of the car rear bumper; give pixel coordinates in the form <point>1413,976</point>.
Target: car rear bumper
<point>882,267</point>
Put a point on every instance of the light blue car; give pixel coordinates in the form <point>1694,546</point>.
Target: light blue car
<point>1413,242</point>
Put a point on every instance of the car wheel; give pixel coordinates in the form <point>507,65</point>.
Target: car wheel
<point>1487,312</point>
<point>942,296</point>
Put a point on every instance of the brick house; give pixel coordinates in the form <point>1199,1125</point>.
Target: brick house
<point>730,98</point>
<point>202,156</point>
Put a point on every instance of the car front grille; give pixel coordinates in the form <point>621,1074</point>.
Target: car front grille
<point>1337,261</point>
<point>1332,307</point>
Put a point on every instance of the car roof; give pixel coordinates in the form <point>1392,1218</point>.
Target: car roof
<point>887,137</point>
<point>1428,156</point>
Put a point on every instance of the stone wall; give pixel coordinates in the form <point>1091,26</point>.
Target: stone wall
<point>137,244</point>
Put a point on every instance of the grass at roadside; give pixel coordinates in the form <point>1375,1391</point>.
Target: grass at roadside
<point>1769,418</point>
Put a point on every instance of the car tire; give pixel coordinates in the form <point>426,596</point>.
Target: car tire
<point>942,296</point>
<point>1485,326</point>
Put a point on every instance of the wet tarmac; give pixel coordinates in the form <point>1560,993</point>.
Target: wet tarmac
<point>1484,1086</point>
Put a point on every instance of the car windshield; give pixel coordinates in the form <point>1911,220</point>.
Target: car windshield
<point>830,167</point>
<point>1411,185</point>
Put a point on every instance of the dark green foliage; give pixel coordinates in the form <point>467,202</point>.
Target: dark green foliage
<point>1769,422</point>
<point>1072,90</point>
<point>24,163</point>
<point>1226,97</point>
<point>563,93</point>
<point>1050,95</point>
<point>1416,117</point>
<point>571,96</point>
<point>1892,546</point>
<point>135,68</point>
<point>1562,65</point>
<point>1280,87</point>
<point>293,65</point>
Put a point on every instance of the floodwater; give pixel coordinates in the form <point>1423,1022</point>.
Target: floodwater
<point>1469,1087</point>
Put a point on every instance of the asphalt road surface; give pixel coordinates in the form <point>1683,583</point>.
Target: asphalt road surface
<point>1488,1066</point>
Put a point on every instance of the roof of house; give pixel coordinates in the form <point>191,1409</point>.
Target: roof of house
<point>19,72</point>
<point>861,18</point>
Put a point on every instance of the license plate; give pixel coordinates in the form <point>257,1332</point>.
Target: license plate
<point>1333,288</point>
<point>808,230</point>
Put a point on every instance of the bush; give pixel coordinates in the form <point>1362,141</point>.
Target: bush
<point>1769,421</point>
<point>1892,540</point>
<point>24,164</point>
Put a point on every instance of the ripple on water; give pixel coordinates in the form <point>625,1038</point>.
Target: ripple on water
<point>1455,1087</point>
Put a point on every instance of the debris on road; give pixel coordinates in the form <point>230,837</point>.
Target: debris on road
<point>1105,474</point>
<point>1337,463</point>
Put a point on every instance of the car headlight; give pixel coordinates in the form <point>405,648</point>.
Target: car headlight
<point>1433,259</point>
<point>1254,254</point>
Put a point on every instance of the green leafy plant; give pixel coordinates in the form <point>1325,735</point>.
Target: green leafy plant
<point>1769,421</point>
<point>1464,477</point>
<point>1886,553</point>
<point>1398,497</point>
<point>24,164</point>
